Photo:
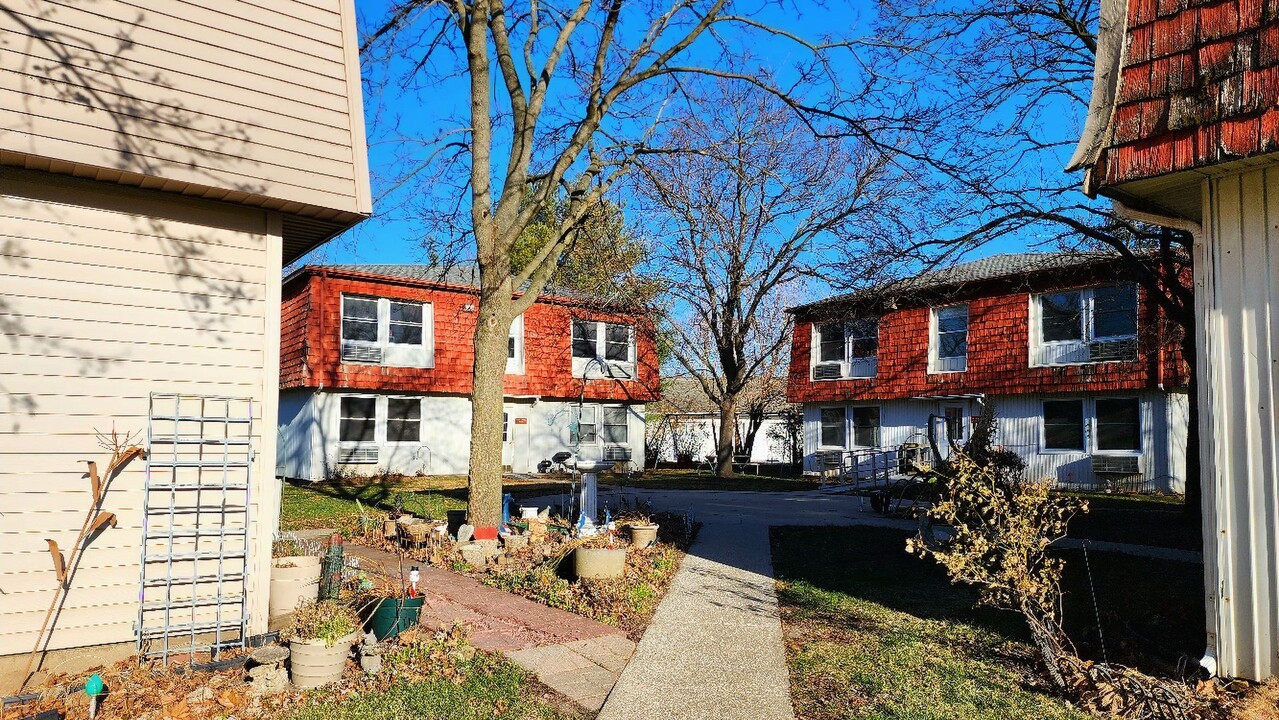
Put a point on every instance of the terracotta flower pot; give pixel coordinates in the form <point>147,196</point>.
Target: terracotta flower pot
<point>294,580</point>
<point>313,663</point>
<point>599,563</point>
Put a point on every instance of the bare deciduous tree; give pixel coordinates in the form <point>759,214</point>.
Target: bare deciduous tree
<point>744,212</point>
<point>561,98</point>
<point>1001,80</point>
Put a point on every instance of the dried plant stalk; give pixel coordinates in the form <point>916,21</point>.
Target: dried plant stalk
<point>123,450</point>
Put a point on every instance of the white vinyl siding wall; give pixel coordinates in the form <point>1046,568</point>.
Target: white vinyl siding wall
<point>1236,286</point>
<point>249,97</point>
<point>310,422</point>
<point>1019,418</point>
<point>110,294</point>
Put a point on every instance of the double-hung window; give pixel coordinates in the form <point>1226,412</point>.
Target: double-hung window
<point>1085,326</point>
<point>381,331</point>
<point>602,349</point>
<point>584,425</point>
<point>515,347</point>
<point>950,339</point>
<point>403,420</point>
<point>1118,422</point>
<point>358,420</point>
<point>865,426</point>
<point>1096,426</point>
<point>1064,425</point>
<point>846,349</point>
<point>832,427</point>
<point>614,430</point>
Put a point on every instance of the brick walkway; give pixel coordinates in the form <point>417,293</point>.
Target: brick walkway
<point>573,655</point>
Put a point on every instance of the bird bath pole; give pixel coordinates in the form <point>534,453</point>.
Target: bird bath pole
<point>588,498</point>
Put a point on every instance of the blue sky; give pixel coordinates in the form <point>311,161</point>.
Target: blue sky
<point>394,114</point>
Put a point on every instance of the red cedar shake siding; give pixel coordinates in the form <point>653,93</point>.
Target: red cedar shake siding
<point>1198,86</point>
<point>311,314</point>
<point>998,354</point>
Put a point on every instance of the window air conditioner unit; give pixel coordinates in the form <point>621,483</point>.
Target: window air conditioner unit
<point>952,364</point>
<point>1111,350</point>
<point>358,455</point>
<point>830,460</point>
<point>828,371</point>
<point>617,453</point>
<point>361,353</point>
<point>619,372</point>
<point>1116,465</point>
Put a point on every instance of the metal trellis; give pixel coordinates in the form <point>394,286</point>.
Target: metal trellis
<point>192,595</point>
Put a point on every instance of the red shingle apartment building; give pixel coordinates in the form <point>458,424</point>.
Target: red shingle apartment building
<point>1183,130</point>
<point>376,374</point>
<point>1076,360</point>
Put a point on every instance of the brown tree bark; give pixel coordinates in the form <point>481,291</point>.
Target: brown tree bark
<point>726,443</point>
<point>484,503</point>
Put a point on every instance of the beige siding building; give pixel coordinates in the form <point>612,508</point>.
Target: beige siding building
<point>160,160</point>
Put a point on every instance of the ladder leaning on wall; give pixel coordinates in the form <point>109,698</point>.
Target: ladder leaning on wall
<point>196,541</point>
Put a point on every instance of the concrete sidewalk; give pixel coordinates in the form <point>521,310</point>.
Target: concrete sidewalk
<point>575,656</point>
<point>714,648</point>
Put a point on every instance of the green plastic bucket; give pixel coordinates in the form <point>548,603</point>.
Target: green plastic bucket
<point>391,616</point>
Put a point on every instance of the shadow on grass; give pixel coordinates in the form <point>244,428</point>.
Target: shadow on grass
<point>1151,611</point>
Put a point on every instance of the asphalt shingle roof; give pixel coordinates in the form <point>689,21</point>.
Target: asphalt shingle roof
<point>465,274</point>
<point>995,267</point>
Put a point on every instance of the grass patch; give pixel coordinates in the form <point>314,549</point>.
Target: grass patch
<point>1158,520</point>
<point>333,503</point>
<point>484,685</point>
<point>327,506</point>
<point>872,632</point>
<point>702,480</point>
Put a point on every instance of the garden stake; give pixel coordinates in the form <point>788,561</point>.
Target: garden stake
<point>93,689</point>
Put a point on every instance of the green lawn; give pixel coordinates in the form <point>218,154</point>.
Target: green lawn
<point>333,505</point>
<point>702,480</point>
<point>872,632</point>
<point>488,686</point>
<point>1158,520</point>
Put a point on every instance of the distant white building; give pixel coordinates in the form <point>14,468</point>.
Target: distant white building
<point>684,425</point>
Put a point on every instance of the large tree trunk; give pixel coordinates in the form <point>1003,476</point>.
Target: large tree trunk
<point>725,443</point>
<point>484,503</point>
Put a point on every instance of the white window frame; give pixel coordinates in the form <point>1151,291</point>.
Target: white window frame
<point>1050,353</point>
<point>378,416</point>
<point>384,407</point>
<point>850,367</point>
<point>821,445</point>
<point>626,423</point>
<point>852,426</point>
<point>393,354</point>
<point>1141,428</point>
<point>575,422</point>
<point>603,367</point>
<point>938,365</point>
<point>515,365</point>
<point>1089,418</point>
<point>381,416</point>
